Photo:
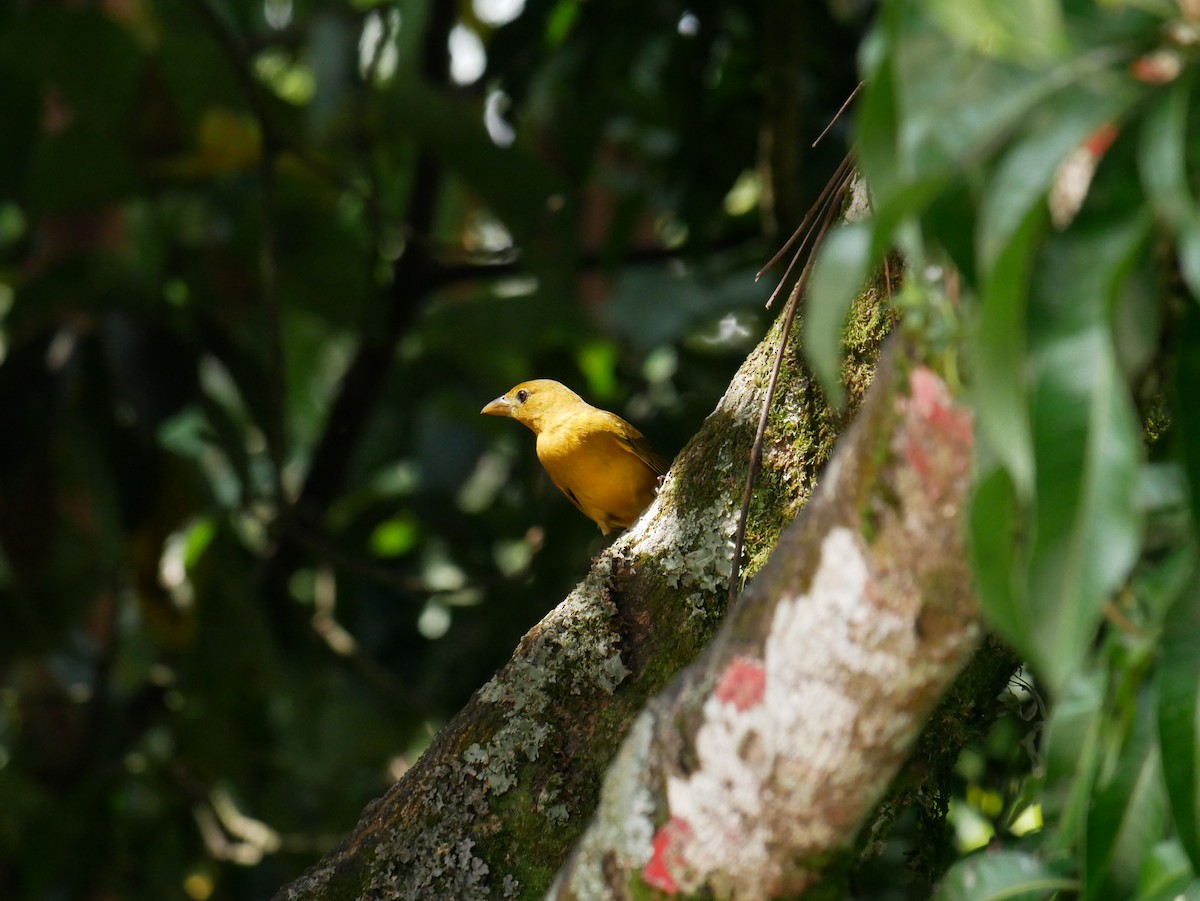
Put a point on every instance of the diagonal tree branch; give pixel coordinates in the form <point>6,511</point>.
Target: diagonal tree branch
<point>761,762</point>
<point>494,805</point>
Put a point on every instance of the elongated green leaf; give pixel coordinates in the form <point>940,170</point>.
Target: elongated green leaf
<point>1179,718</point>
<point>1162,155</point>
<point>876,127</point>
<point>1187,245</point>
<point>1087,441</point>
<point>1127,816</point>
<point>996,555</point>
<point>1026,31</point>
<point>1166,874</point>
<point>1187,388</point>
<point>837,277</point>
<point>1024,175</point>
<point>1087,522</point>
<point>1004,875</point>
<point>1001,384</point>
<point>956,106</point>
<point>1072,757</point>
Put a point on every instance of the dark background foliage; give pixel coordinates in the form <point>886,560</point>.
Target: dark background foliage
<point>260,266</point>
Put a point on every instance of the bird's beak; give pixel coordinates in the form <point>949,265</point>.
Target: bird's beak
<point>501,406</point>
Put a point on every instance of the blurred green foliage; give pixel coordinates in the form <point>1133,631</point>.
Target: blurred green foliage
<point>1037,164</point>
<point>261,264</point>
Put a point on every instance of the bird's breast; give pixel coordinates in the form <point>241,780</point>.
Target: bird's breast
<point>598,471</point>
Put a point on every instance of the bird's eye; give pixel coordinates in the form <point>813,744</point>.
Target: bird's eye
<point>522,396</point>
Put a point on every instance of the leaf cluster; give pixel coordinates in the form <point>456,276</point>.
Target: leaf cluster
<point>1036,164</point>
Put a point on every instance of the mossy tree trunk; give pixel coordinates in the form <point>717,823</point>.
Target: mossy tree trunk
<point>756,768</point>
<point>495,805</point>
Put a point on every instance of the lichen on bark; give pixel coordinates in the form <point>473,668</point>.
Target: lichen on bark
<point>767,753</point>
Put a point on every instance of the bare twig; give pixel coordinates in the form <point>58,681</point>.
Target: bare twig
<point>834,184</point>
<point>838,114</point>
<point>826,207</point>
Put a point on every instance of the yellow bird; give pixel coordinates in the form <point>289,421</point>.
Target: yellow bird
<point>601,463</point>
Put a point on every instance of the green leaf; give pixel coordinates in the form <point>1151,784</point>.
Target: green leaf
<point>1072,754</point>
<point>1127,816</point>
<point>994,530</point>
<point>1027,31</point>
<point>1186,388</point>
<point>896,195</point>
<point>1000,387</point>
<point>1187,245</point>
<point>876,128</point>
<point>1166,874</point>
<point>1162,156</point>
<point>1024,175</point>
<point>837,277</point>
<point>1002,875</point>
<point>955,106</point>
<point>1087,523</point>
<point>1087,442</point>
<point>395,537</point>
<point>1179,718</point>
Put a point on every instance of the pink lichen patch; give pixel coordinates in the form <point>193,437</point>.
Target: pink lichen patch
<point>742,684</point>
<point>667,856</point>
<point>933,403</point>
<point>933,421</point>
<point>753,787</point>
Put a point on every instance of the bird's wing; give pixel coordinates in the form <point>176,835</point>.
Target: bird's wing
<point>571,497</point>
<point>633,441</point>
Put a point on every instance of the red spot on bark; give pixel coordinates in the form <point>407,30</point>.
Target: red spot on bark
<point>742,684</point>
<point>932,402</point>
<point>667,856</point>
<point>933,423</point>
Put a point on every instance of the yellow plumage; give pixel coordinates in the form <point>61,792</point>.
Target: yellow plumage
<point>601,463</point>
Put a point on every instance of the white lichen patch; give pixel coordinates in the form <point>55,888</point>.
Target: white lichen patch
<point>694,552</point>
<point>548,802</point>
<point>793,749</point>
<point>576,651</point>
<point>426,866</point>
<point>623,827</point>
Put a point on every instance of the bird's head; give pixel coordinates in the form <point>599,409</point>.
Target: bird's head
<point>536,403</point>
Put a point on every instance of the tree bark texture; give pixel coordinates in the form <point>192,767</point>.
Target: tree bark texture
<point>494,806</point>
<point>759,764</point>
